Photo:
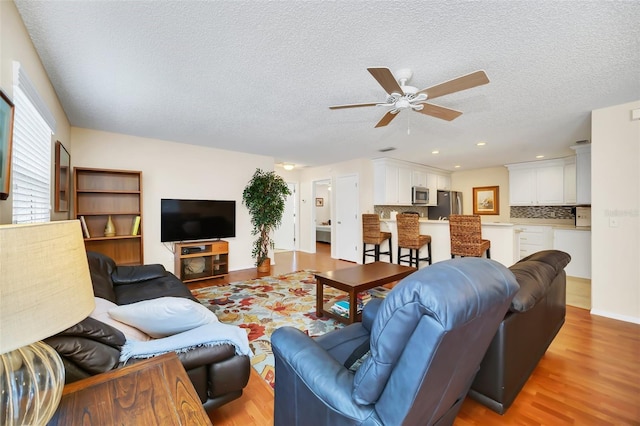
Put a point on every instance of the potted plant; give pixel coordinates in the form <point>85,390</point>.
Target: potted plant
<point>265,196</point>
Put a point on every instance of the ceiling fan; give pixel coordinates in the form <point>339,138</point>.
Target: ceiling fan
<point>401,96</point>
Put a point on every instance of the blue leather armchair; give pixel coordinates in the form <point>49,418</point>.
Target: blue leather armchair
<point>426,341</point>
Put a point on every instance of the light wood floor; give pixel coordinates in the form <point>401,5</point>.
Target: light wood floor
<point>590,374</point>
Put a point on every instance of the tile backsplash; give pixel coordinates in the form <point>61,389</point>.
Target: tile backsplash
<point>515,212</point>
<point>386,210</point>
<point>541,212</point>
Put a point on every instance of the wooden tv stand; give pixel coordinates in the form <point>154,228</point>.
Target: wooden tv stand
<point>201,260</point>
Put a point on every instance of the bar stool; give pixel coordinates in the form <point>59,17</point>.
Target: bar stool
<point>466,236</point>
<point>409,238</point>
<point>371,234</point>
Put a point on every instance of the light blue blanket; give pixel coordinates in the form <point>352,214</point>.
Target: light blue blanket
<point>205,335</point>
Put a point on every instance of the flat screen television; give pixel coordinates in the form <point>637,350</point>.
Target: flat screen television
<point>188,220</point>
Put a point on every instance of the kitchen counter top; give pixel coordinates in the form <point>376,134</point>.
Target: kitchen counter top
<point>555,224</point>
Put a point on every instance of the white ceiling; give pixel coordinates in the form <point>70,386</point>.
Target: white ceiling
<point>259,76</point>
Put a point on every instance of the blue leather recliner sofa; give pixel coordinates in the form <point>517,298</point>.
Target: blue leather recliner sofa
<point>418,351</point>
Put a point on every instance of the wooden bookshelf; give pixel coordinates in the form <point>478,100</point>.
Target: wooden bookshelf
<point>103,193</point>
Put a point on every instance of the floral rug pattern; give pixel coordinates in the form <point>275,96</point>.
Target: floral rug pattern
<point>263,304</point>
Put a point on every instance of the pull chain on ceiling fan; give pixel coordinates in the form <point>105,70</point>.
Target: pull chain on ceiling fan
<point>401,96</point>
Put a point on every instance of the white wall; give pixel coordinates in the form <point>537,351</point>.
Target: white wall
<point>362,167</point>
<point>466,180</point>
<point>323,213</point>
<point>15,45</point>
<point>175,170</point>
<point>615,217</point>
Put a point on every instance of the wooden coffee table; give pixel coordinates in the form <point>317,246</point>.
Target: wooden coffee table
<point>353,281</point>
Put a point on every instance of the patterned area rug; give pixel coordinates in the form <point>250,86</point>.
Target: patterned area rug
<point>264,304</point>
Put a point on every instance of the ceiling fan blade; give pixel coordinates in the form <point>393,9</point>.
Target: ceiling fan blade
<point>386,119</point>
<point>439,112</point>
<point>353,105</point>
<point>465,82</point>
<point>386,80</point>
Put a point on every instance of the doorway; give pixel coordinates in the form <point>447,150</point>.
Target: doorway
<point>321,209</point>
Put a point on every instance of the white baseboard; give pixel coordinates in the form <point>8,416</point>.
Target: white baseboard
<point>625,318</point>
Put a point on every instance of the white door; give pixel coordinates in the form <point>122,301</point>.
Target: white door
<point>347,228</point>
<point>284,237</point>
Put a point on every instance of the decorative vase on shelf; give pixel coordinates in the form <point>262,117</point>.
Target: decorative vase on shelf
<point>110,229</point>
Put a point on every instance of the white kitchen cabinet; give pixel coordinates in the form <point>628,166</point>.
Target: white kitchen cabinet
<point>532,239</point>
<point>419,178</point>
<point>522,186</point>
<point>570,180</point>
<point>444,182</point>
<point>550,184</point>
<point>392,183</point>
<point>394,179</point>
<point>432,184</point>
<point>539,183</point>
<point>404,186</point>
<point>583,173</point>
<point>578,244</point>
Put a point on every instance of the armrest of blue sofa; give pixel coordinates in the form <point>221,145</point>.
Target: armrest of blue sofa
<point>301,363</point>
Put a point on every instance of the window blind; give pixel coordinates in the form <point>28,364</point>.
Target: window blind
<point>31,154</point>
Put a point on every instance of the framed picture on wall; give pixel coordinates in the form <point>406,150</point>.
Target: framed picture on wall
<point>486,200</point>
<point>6,139</point>
<point>319,202</point>
<point>63,178</point>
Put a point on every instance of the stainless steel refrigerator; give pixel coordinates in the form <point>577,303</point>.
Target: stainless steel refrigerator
<point>449,202</point>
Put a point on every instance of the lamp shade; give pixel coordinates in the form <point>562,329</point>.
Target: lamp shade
<point>45,285</point>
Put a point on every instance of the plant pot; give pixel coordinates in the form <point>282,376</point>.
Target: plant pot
<point>265,266</point>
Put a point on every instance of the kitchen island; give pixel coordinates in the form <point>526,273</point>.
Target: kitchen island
<point>500,234</point>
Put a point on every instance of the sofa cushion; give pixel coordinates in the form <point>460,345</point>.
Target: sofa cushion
<point>163,316</point>
<point>100,268</point>
<point>534,274</point>
<point>101,313</point>
<point>166,286</point>
<point>133,274</point>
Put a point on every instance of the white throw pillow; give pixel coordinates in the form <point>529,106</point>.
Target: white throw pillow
<point>101,314</point>
<point>164,316</point>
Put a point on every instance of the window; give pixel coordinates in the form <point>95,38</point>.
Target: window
<point>31,162</point>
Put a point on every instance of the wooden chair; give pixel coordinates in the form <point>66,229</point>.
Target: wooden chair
<point>466,236</point>
<point>371,234</point>
<point>409,238</point>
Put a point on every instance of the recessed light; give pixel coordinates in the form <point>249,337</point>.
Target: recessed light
<point>539,156</point>
<point>435,151</point>
<point>457,166</point>
<point>481,143</point>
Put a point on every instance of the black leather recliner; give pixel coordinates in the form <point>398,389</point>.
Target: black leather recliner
<point>534,318</point>
<point>92,347</point>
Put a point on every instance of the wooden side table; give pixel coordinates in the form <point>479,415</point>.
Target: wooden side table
<point>156,391</point>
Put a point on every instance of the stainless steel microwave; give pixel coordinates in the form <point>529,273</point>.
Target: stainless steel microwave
<point>419,196</point>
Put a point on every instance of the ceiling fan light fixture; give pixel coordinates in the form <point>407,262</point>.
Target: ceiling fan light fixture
<point>401,96</point>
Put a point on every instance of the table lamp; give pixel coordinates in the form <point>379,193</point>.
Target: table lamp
<point>45,288</point>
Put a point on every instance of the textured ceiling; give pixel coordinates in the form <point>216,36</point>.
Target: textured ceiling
<point>259,76</point>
